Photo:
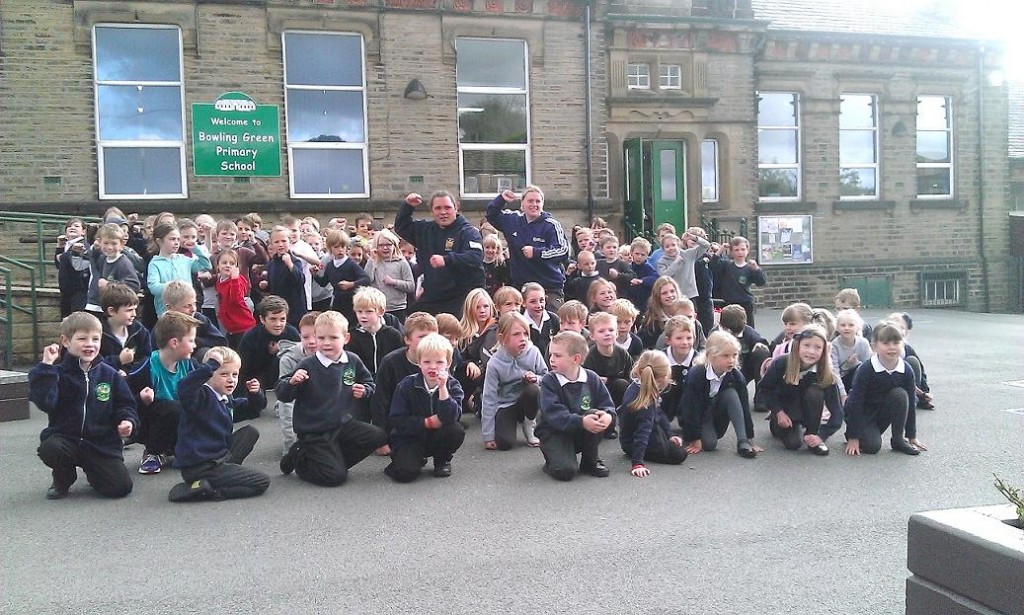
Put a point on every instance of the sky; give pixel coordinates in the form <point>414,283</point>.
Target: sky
<point>997,19</point>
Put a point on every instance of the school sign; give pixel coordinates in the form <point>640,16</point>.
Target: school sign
<point>235,137</point>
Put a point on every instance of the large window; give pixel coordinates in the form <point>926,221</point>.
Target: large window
<point>493,114</point>
<point>325,105</point>
<point>858,146</point>
<point>778,145</point>
<point>709,170</point>
<point>638,77</point>
<point>140,122</point>
<point>934,147</point>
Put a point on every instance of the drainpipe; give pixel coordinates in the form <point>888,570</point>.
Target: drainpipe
<point>981,178</point>
<point>588,136</point>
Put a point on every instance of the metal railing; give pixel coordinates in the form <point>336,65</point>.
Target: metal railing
<point>9,308</point>
<point>41,235</point>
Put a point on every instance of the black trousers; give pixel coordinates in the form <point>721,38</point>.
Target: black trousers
<point>705,308</point>
<point>751,367</point>
<point>324,459</point>
<point>892,413</point>
<point>659,448</point>
<point>805,412</point>
<point>506,419</point>
<point>158,428</point>
<point>107,475</point>
<point>560,449</point>
<point>617,389</point>
<point>441,444</point>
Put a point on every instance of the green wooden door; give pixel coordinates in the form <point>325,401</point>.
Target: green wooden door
<point>668,172</point>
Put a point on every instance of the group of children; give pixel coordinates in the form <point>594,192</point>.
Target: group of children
<point>359,376</point>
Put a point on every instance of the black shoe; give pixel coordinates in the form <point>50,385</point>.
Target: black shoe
<point>193,492</point>
<point>924,404</point>
<point>902,446</point>
<point>57,492</point>
<point>821,450</point>
<point>290,459</point>
<point>611,433</point>
<point>745,450</point>
<point>596,469</point>
<point>442,469</point>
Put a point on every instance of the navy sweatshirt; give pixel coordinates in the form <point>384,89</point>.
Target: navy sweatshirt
<point>207,334</point>
<point>323,402</point>
<point>640,294</point>
<point>777,394</point>
<point>204,431</point>
<point>544,234</point>
<point>390,371</point>
<point>86,406</point>
<point>460,245</point>
<point>562,407</point>
<point>732,283</point>
<point>373,347</point>
<point>636,426</point>
<point>257,359</point>
<point>869,389</point>
<point>696,402</point>
<point>347,271</point>
<point>138,340</point>
<point>412,403</point>
<point>289,284</point>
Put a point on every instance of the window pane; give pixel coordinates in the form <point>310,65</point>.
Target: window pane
<point>667,163</point>
<point>933,146</point>
<point>777,109</point>
<point>778,182</point>
<point>857,182</point>
<point>325,116</point>
<point>492,118</point>
<point>491,63</point>
<point>857,146</point>
<point>490,171</point>
<point>932,113</point>
<point>140,113</point>
<point>709,170</point>
<point>776,146</point>
<point>323,59</point>
<point>137,54</point>
<point>857,111</point>
<point>328,171</point>
<point>142,170</point>
<point>933,181</point>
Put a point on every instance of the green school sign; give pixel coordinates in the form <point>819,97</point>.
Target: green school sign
<point>235,137</point>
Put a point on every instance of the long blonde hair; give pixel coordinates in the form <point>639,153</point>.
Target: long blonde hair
<point>656,314</point>
<point>384,235</point>
<point>468,325</point>
<point>824,364</point>
<point>653,371</point>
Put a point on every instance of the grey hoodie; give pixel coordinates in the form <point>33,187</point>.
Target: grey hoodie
<point>405,283</point>
<point>503,383</point>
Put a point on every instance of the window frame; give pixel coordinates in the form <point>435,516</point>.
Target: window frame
<point>494,147</point>
<point>716,157</point>
<point>291,146</point>
<point>951,165</point>
<point>798,166</point>
<point>678,77</point>
<point>639,76</point>
<point>877,165</point>
<point>103,144</point>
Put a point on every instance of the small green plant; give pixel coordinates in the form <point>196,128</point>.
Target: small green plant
<point>1015,497</point>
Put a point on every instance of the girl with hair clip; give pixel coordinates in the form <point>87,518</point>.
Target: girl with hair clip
<point>664,294</point>
<point>715,396</point>
<point>390,273</point>
<point>496,272</point>
<point>797,388</point>
<point>645,433</point>
<point>882,396</point>
<point>478,335</point>
<point>511,386</point>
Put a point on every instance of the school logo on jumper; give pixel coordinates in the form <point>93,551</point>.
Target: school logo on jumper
<point>742,279</point>
<point>449,243</point>
<point>103,391</point>
<point>585,403</point>
<point>349,376</point>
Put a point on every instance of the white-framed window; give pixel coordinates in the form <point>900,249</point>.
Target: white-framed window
<point>934,147</point>
<point>778,145</point>
<point>858,146</point>
<point>709,170</point>
<point>325,114</point>
<point>140,111</point>
<point>492,84</point>
<point>638,77</point>
<point>670,77</point>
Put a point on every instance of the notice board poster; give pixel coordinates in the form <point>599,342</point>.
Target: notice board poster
<point>785,240</point>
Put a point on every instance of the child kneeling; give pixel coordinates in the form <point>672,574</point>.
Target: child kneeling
<point>323,388</point>
<point>208,453</point>
<point>425,412</point>
<point>576,409</point>
<point>646,433</point>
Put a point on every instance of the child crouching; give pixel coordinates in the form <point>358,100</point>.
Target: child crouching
<point>646,433</point>
<point>208,453</point>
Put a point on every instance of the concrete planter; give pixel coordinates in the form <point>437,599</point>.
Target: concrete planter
<point>965,561</point>
<point>13,396</point>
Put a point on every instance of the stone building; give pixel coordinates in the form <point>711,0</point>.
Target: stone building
<point>854,147</point>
